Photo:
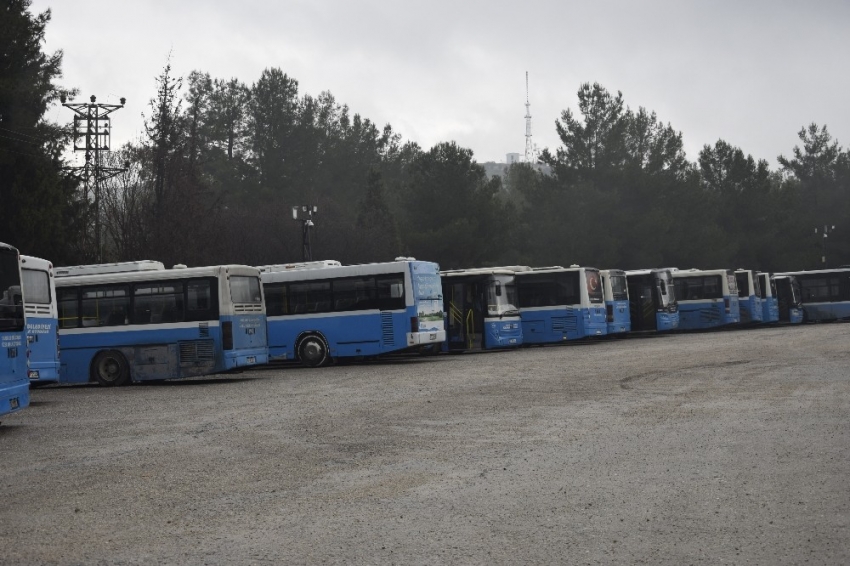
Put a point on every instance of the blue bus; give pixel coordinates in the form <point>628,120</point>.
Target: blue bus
<point>652,300</point>
<point>149,325</point>
<point>707,298</point>
<point>560,303</point>
<point>769,301</point>
<point>825,294</point>
<point>322,311</point>
<point>14,385</point>
<point>42,320</point>
<point>788,303</point>
<point>481,312</point>
<point>616,294</point>
<point>749,296</point>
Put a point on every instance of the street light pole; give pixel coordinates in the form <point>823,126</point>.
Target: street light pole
<point>826,230</point>
<point>307,211</point>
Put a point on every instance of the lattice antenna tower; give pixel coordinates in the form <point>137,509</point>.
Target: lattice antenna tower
<point>530,150</point>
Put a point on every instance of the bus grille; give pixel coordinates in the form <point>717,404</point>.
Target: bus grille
<point>248,307</point>
<point>195,351</point>
<point>564,323</point>
<point>387,334</point>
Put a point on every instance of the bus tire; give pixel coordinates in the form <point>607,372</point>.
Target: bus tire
<point>110,368</point>
<point>312,351</point>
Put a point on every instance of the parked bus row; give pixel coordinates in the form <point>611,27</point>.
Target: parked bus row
<point>137,321</point>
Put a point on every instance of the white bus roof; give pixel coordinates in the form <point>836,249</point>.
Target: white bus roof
<point>815,271</point>
<point>156,275</point>
<point>296,266</point>
<point>477,271</point>
<point>103,268</point>
<point>30,262</point>
<point>275,276</point>
<point>694,271</point>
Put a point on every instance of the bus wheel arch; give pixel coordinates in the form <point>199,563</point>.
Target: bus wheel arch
<point>110,368</point>
<point>313,349</point>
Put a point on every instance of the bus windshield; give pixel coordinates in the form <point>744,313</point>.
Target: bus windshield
<point>501,296</point>
<point>11,302</point>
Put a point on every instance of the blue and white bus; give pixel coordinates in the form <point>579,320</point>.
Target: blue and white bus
<point>151,325</point>
<point>616,293</point>
<point>788,303</point>
<point>749,296</point>
<point>769,301</point>
<point>321,311</point>
<point>652,300</point>
<point>560,303</point>
<point>826,294</point>
<point>708,298</point>
<point>481,310</point>
<point>14,385</point>
<point>42,319</point>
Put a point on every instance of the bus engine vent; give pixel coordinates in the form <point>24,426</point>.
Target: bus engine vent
<point>196,351</point>
<point>387,334</point>
<point>37,309</point>
<point>564,323</point>
<point>204,329</point>
<point>247,307</point>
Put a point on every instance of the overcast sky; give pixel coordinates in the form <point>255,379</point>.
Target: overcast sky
<point>751,73</point>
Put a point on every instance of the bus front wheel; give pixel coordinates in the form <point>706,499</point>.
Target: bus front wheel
<point>111,368</point>
<point>312,351</point>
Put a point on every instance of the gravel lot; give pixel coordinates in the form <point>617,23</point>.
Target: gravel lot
<point>724,447</point>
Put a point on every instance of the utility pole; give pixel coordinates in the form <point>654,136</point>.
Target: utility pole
<point>307,211</point>
<point>92,128</point>
<point>826,230</point>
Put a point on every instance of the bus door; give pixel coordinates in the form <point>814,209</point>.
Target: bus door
<point>642,305</point>
<point>465,304</point>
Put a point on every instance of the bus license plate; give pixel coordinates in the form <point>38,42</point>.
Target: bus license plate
<point>251,360</point>
<point>32,374</point>
<point>14,403</point>
<point>432,336</point>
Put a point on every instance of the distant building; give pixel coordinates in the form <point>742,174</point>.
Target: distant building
<point>494,169</point>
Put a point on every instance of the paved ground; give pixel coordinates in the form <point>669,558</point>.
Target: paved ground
<point>726,447</point>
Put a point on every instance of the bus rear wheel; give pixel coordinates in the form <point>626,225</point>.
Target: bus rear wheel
<point>111,368</point>
<point>312,351</point>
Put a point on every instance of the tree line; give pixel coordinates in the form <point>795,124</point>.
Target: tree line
<point>221,164</point>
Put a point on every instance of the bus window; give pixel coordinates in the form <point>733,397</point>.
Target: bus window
<point>276,299</point>
<point>69,313</point>
<point>105,306</point>
<point>354,293</point>
<point>310,297</point>
<point>158,302</point>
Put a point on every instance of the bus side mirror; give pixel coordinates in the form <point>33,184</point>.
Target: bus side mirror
<point>498,288</point>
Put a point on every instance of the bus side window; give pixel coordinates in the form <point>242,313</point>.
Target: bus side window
<point>69,314</point>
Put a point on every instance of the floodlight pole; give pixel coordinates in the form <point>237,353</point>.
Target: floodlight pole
<point>826,230</point>
<point>307,211</point>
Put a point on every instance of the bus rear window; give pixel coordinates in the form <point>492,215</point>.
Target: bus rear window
<point>36,287</point>
<point>619,290</point>
<point>245,289</point>
<point>594,287</point>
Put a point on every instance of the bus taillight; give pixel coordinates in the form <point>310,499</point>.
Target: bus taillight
<point>610,312</point>
<point>414,324</point>
<point>227,335</point>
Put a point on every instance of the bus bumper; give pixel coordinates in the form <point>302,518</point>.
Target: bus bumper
<point>16,398</point>
<point>246,358</point>
<point>425,338</point>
